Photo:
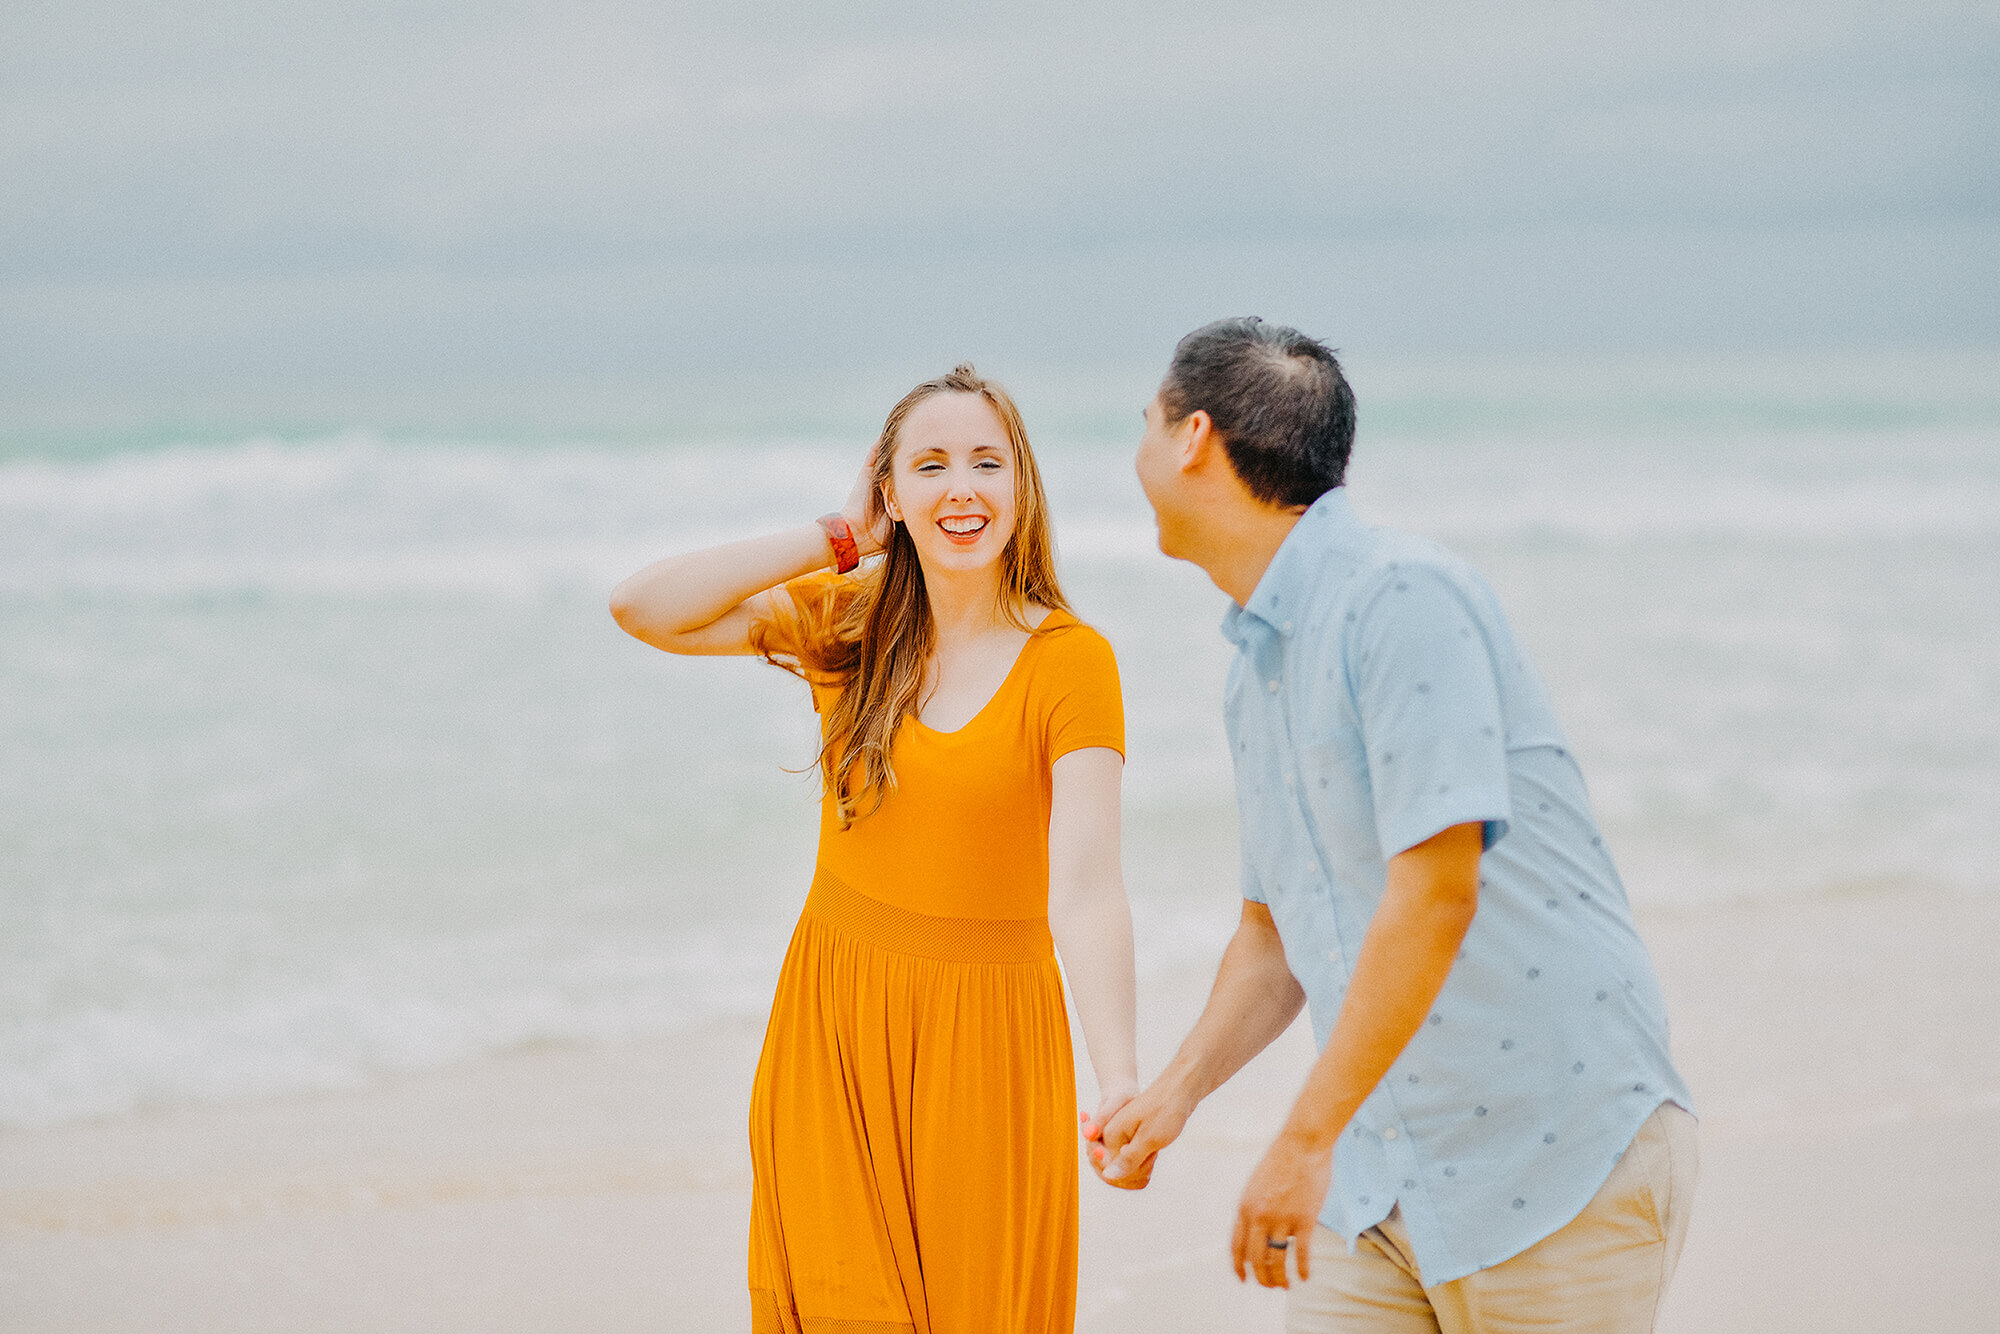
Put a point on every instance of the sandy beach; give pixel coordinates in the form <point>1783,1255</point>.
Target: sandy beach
<point>1840,1047</point>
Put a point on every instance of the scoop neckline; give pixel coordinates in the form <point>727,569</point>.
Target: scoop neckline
<point>1012,671</point>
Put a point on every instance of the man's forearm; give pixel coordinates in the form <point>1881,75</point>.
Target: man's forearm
<point>1254,1000</point>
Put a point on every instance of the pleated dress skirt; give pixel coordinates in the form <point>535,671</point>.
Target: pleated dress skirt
<point>913,1128</point>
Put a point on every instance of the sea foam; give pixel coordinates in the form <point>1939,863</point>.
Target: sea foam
<point>323,759</point>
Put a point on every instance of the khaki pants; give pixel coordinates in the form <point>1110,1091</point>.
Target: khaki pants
<point>1602,1273</point>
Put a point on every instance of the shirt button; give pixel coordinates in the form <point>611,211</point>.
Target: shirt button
<point>1390,1133</point>
<point>1288,630</point>
<point>1288,780</point>
<point>1273,686</point>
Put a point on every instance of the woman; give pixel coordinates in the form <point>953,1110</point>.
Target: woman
<point>910,1124</point>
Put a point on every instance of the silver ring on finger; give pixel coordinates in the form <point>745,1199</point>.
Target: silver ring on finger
<point>1277,1243</point>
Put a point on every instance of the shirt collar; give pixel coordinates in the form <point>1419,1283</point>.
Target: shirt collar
<point>1294,569</point>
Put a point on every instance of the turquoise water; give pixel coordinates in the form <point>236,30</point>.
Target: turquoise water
<point>322,758</point>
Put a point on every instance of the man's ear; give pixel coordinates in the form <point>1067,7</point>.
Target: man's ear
<point>1198,440</point>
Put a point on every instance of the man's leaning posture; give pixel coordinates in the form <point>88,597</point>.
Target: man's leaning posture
<point>1493,1135</point>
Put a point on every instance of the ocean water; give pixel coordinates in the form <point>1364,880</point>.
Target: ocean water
<point>320,758</point>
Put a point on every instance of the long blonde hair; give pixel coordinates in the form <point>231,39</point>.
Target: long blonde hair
<point>878,645</point>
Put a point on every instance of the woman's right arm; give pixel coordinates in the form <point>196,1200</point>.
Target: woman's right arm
<point>709,601</point>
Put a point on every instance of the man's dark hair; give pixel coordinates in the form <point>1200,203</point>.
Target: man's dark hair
<point>1278,398</point>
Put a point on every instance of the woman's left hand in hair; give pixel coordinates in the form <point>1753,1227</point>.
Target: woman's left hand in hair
<point>866,516</point>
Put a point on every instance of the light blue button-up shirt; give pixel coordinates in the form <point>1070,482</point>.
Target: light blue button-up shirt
<point>1377,698</point>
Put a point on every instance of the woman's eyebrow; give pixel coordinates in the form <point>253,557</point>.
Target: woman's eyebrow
<point>944,451</point>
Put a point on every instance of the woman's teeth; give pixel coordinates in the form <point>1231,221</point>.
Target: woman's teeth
<point>962,527</point>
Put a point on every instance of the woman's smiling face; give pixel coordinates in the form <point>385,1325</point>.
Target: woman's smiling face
<point>952,482</point>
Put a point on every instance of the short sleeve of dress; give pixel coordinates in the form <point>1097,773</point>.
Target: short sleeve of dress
<point>1431,720</point>
<point>1085,705</point>
<point>805,610</point>
<point>804,613</point>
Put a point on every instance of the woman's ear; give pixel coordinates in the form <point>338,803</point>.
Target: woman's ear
<point>889,505</point>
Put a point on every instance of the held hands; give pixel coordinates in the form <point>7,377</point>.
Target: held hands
<point>1093,1122</point>
<point>1280,1204</point>
<point>1124,1144</point>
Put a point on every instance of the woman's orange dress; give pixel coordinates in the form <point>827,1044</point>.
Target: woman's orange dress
<point>913,1121</point>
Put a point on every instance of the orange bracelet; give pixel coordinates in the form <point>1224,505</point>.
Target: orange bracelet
<point>846,554</point>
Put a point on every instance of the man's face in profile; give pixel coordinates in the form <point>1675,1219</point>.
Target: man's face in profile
<point>1157,463</point>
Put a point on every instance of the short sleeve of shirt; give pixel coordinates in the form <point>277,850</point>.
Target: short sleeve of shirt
<point>1429,704</point>
<point>1253,886</point>
<point>1085,705</point>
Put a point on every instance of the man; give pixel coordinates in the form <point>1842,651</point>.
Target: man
<point>1493,1135</point>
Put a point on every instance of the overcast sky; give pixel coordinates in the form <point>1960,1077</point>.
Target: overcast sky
<point>214,193</point>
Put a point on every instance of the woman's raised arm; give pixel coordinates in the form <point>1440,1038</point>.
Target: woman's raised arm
<point>708,601</point>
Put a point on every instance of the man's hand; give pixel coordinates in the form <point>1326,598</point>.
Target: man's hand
<point>1281,1203</point>
<point>1124,1146</point>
